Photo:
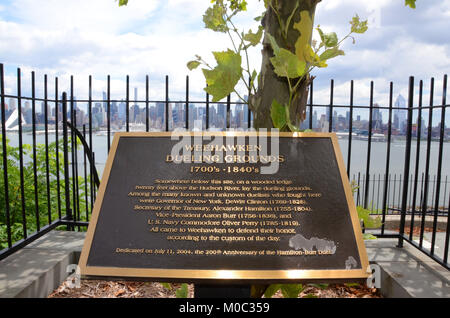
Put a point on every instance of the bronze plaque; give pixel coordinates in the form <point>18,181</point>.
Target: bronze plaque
<point>236,206</point>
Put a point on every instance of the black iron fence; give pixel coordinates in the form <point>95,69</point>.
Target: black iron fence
<point>49,159</point>
<point>394,196</point>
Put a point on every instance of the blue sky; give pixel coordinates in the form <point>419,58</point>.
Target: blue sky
<point>155,37</point>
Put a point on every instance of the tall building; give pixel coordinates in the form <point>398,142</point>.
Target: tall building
<point>122,110</point>
<point>377,118</point>
<point>192,115</point>
<point>49,110</point>
<point>239,115</point>
<point>212,117</point>
<point>105,104</point>
<point>98,114</point>
<point>221,110</point>
<point>169,111</point>
<point>28,114</point>
<point>160,111</point>
<point>399,113</point>
<point>315,123</point>
<point>114,109</point>
<point>132,113</point>
<point>178,114</point>
<point>246,115</point>
<point>97,108</point>
<point>152,114</point>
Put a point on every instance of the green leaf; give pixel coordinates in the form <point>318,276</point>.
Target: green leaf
<point>312,58</point>
<point>167,286</point>
<point>305,27</point>
<point>330,39</point>
<point>287,64</point>
<point>368,236</point>
<point>257,19</point>
<point>331,53</point>
<point>369,221</point>
<point>288,21</point>
<point>273,43</point>
<point>193,65</point>
<point>272,290</point>
<point>123,3</point>
<point>240,5</point>
<point>358,26</point>
<point>278,115</point>
<point>410,3</point>
<point>293,128</point>
<point>322,36</point>
<point>213,18</point>
<point>254,75</point>
<point>254,38</point>
<point>291,290</point>
<point>182,292</point>
<point>224,77</point>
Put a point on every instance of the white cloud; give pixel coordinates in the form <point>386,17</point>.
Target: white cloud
<point>83,38</point>
<point>368,5</point>
<point>93,42</point>
<point>85,15</point>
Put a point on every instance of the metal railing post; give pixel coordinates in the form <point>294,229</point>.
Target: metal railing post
<point>369,149</point>
<point>66,161</point>
<point>407,162</point>
<point>388,158</point>
<point>5,155</point>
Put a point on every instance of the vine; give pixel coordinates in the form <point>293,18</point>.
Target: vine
<point>294,67</point>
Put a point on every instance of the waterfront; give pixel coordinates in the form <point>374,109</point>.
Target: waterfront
<point>358,153</point>
<point>358,165</point>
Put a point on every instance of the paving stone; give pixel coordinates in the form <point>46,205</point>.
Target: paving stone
<point>411,272</point>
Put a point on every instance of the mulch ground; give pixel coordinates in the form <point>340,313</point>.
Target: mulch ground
<point>126,289</point>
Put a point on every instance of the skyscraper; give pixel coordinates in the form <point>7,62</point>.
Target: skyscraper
<point>160,111</point>
<point>122,110</point>
<point>399,112</point>
<point>114,109</point>
<point>221,109</point>
<point>105,104</point>
<point>28,114</point>
<point>377,118</point>
<point>314,120</point>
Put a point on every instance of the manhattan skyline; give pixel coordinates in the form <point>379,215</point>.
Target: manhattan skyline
<point>217,116</point>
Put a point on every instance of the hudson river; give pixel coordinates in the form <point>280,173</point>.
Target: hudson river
<point>358,157</point>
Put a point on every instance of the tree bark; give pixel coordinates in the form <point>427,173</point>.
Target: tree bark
<point>271,86</point>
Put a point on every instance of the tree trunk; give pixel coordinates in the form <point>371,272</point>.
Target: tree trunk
<point>270,86</point>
